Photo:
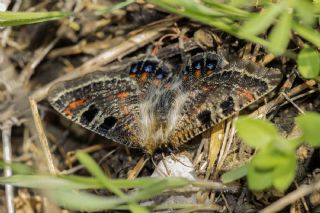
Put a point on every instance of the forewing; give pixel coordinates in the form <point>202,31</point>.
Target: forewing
<point>106,104</point>
<point>218,95</point>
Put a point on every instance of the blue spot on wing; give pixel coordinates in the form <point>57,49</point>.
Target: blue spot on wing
<point>212,64</point>
<point>152,67</point>
<point>149,68</point>
<point>197,65</point>
<point>134,68</point>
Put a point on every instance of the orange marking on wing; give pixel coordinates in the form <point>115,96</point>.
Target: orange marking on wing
<point>122,95</point>
<point>144,76</point>
<point>247,94</point>
<point>68,112</point>
<point>209,72</point>
<point>132,75</point>
<point>73,105</point>
<point>185,78</point>
<point>197,73</point>
<point>77,103</point>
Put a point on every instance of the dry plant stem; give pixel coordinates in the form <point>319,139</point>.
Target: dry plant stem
<point>38,57</point>
<point>215,186</point>
<point>202,186</point>
<point>214,147</point>
<point>303,200</point>
<point>302,191</point>
<point>42,136</point>
<point>72,157</point>
<point>267,59</point>
<point>7,157</point>
<point>131,44</point>
<point>226,203</point>
<point>106,156</point>
<point>84,47</point>
<point>294,91</point>
<point>300,96</point>
<point>224,150</point>
<point>72,170</point>
<point>132,174</point>
<point>294,104</point>
<point>231,139</point>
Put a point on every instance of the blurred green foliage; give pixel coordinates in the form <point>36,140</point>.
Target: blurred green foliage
<point>275,162</point>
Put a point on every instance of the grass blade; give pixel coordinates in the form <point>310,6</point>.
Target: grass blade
<point>307,33</point>
<point>83,201</point>
<point>19,18</point>
<point>258,23</point>
<point>96,171</point>
<point>280,35</point>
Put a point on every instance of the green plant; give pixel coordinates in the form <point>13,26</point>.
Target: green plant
<point>19,18</point>
<point>284,18</point>
<point>236,18</point>
<point>275,162</point>
<point>309,63</point>
<point>68,191</point>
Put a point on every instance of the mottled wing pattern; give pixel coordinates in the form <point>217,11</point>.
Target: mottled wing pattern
<point>217,91</point>
<point>101,103</point>
<point>148,106</point>
<point>109,103</point>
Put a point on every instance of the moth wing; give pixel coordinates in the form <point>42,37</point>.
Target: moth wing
<point>220,94</point>
<point>106,104</point>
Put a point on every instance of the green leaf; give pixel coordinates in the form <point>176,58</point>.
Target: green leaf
<point>276,162</point>
<point>306,11</point>
<point>258,23</point>
<point>308,33</point>
<point>136,208</point>
<point>235,174</point>
<point>309,62</point>
<point>206,15</point>
<point>284,174</point>
<point>258,180</point>
<point>268,158</point>
<point>255,133</point>
<point>280,34</point>
<point>42,181</point>
<point>83,201</point>
<point>19,18</point>
<point>309,123</point>
<point>18,168</point>
<point>241,3</point>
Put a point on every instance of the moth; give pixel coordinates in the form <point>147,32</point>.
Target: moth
<point>149,106</point>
